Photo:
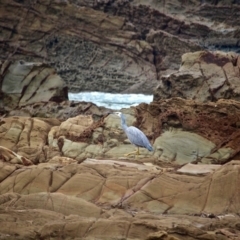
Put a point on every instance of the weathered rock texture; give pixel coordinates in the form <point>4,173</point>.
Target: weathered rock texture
<point>185,129</point>
<point>73,39</point>
<point>23,83</point>
<point>62,170</point>
<point>74,201</point>
<point>51,186</point>
<point>181,131</point>
<point>203,76</point>
<point>124,45</point>
<point>58,111</point>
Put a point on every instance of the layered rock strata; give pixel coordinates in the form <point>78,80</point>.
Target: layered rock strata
<point>76,201</point>
<point>24,83</point>
<point>125,45</point>
<point>203,76</point>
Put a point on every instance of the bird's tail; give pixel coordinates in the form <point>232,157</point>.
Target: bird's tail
<point>150,148</point>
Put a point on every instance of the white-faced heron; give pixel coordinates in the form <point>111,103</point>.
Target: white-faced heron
<point>135,135</point>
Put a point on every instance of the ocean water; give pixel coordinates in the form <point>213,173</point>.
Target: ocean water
<point>111,100</point>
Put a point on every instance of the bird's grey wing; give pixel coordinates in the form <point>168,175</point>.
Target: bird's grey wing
<point>137,137</point>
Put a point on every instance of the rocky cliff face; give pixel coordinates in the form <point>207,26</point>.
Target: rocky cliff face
<point>115,45</point>
<point>203,76</point>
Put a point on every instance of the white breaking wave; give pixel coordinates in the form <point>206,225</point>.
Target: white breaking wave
<point>111,100</point>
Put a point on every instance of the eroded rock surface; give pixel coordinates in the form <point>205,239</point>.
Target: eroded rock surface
<point>203,76</point>
<point>54,112</point>
<point>76,201</point>
<point>85,45</point>
<point>23,83</point>
<point>63,174</point>
<point>125,45</point>
<point>212,128</point>
<point>69,178</point>
<point>181,131</point>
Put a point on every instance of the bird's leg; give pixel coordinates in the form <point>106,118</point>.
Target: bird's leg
<point>131,153</point>
<point>138,151</point>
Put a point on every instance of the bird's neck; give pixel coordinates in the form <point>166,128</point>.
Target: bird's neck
<point>123,122</point>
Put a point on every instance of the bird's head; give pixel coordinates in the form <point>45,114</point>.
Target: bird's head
<point>122,117</point>
<point>119,114</point>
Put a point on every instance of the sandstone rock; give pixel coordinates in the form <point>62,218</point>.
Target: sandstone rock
<point>74,201</point>
<point>170,46</point>
<point>216,122</point>
<point>9,156</point>
<point>129,186</point>
<point>25,136</point>
<point>60,111</point>
<point>107,41</point>
<point>70,195</point>
<point>41,140</point>
<point>23,83</point>
<point>198,168</point>
<point>181,147</point>
<point>164,200</point>
<point>59,203</point>
<point>203,76</point>
<point>78,51</point>
<point>141,167</point>
<point>219,156</point>
<point>74,127</point>
<point>122,149</point>
<point>200,23</point>
<point>61,161</point>
<point>160,235</point>
<point>6,170</point>
<point>73,137</point>
<point>29,222</point>
<point>169,125</point>
<point>55,225</point>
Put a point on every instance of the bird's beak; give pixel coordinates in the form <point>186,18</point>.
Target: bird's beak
<point>108,113</point>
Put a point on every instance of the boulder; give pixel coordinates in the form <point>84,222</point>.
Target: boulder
<point>9,156</point>
<point>181,131</point>
<point>24,83</point>
<point>182,147</point>
<point>72,137</point>
<point>203,76</point>
<point>26,137</point>
<point>212,128</point>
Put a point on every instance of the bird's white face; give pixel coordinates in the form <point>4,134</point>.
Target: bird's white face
<point>118,114</point>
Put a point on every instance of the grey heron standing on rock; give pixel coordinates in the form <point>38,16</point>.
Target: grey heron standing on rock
<point>135,135</point>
